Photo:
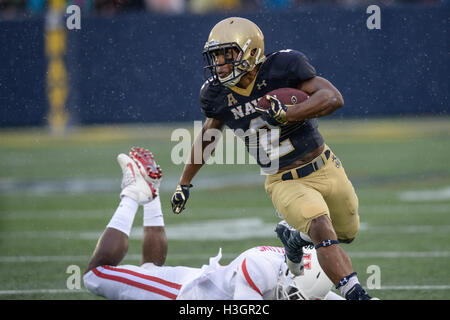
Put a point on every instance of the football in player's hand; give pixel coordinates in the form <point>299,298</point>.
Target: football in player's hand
<point>288,96</point>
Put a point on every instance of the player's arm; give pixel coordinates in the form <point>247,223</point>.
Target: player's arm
<point>196,160</point>
<point>324,99</point>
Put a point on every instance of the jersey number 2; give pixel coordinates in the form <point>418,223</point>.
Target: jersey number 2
<point>269,139</point>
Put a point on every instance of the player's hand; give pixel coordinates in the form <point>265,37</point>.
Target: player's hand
<point>277,110</point>
<point>180,197</point>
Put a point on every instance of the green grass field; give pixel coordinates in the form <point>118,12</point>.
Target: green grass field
<point>58,193</point>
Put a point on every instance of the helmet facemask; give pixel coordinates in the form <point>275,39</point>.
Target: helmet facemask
<point>287,288</point>
<point>240,66</point>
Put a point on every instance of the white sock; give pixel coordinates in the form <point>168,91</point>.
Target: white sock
<point>153,216</point>
<point>123,218</point>
<point>351,282</point>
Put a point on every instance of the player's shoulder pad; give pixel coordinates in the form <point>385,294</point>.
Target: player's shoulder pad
<point>290,63</point>
<point>286,55</point>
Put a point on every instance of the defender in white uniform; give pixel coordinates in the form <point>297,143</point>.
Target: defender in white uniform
<point>257,273</point>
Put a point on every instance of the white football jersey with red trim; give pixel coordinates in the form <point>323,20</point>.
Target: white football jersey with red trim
<point>252,275</point>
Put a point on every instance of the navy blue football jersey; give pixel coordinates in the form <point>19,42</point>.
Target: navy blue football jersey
<point>236,109</point>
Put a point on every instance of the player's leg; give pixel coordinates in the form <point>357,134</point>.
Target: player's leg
<point>154,244</point>
<point>298,203</point>
<point>113,243</point>
<point>341,226</point>
<point>294,241</point>
<point>302,205</point>
<point>332,258</point>
<point>103,277</point>
<point>342,202</point>
<point>334,261</point>
<point>129,282</point>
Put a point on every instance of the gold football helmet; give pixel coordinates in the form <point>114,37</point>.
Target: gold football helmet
<point>233,34</point>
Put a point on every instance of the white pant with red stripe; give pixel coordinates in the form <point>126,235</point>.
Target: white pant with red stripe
<point>147,282</point>
<point>252,275</point>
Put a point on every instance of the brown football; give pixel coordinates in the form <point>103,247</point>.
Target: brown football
<point>287,96</point>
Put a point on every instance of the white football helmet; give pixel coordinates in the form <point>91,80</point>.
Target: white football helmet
<point>312,285</point>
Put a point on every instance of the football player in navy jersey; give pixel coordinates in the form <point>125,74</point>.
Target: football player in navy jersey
<point>309,187</point>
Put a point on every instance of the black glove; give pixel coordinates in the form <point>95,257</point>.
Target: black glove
<point>180,197</point>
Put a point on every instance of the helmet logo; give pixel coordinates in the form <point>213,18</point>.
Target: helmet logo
<point>211,43</point>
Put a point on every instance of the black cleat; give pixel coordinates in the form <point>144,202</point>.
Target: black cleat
<point>358,293</point>
<point>293,246</point>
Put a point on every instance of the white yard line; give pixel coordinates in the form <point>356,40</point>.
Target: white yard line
<point>400,254</point>
<point>191,256</point>
<point>89,185</point>
<point>431,208</point>
<point>406,208</point>
<point>425,195</point>
<point>224,230</point>
<point>41,291</point>
<point>414,287</point>
<point>56,214</point>
<point>365,227</point>
<point>25,259</point>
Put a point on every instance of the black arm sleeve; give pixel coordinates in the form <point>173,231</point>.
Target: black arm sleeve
<point>208,101</point>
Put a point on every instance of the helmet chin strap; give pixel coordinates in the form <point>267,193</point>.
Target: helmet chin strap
<point>233,82</point>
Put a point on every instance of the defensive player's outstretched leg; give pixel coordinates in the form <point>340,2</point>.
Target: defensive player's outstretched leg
<point>154,243</point>
<point>113,243</point>
<point>138,188</point>
<point>110,250</point>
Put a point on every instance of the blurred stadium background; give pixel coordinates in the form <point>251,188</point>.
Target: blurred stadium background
<point>71,100</point>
